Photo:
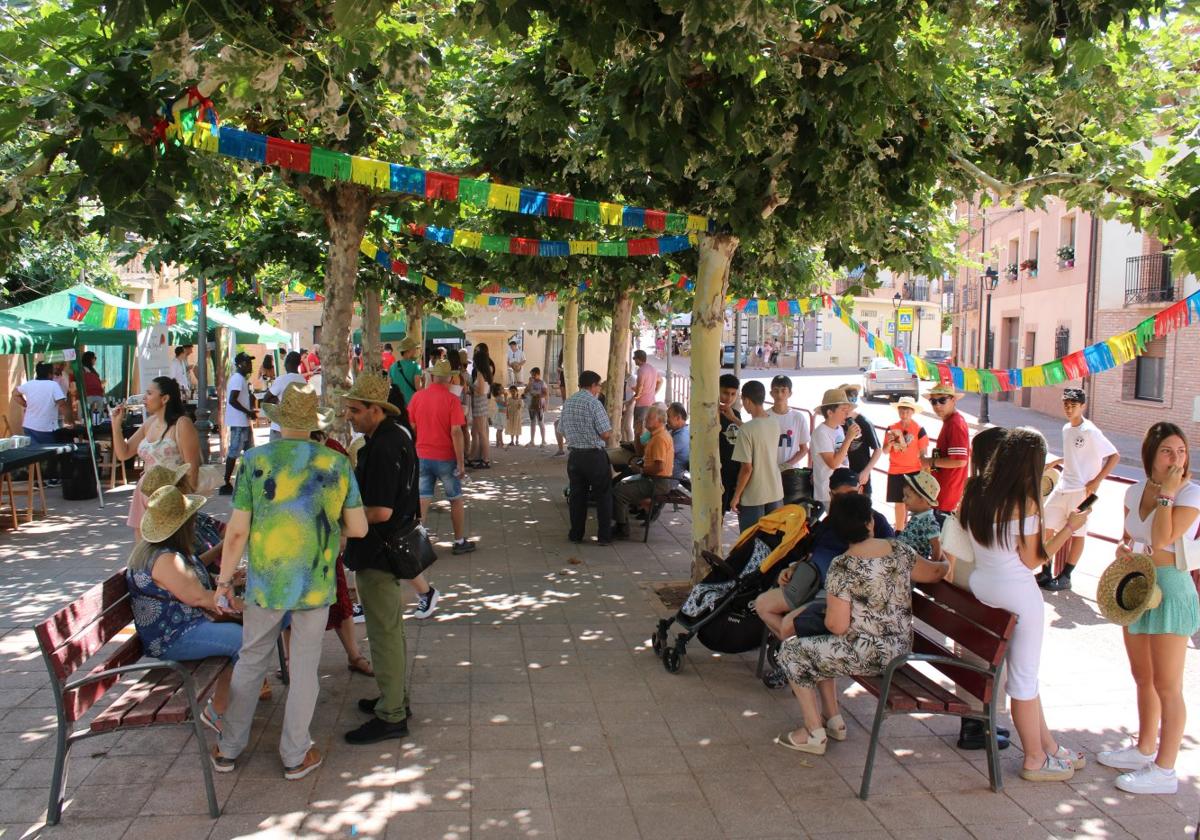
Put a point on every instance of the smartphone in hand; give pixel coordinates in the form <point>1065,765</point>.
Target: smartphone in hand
<point>1087,503</point>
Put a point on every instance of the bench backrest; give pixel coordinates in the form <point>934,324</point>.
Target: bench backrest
<point>958,615</point>
<point>78,631</point>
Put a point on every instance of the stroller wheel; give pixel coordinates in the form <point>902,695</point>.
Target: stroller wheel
<point>659,639</point>
<point>671,660</point>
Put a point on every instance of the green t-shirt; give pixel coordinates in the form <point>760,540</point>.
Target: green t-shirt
<point>404,374</point>
<point>295,492</point>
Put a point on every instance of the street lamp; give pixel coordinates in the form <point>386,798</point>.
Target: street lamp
<point>988,282</point>
<point>896,299</point>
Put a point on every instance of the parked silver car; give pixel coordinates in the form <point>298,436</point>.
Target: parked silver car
<point>881,378</point>
<point>727,356</point>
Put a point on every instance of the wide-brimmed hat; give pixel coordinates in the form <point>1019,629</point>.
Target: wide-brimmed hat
<point>408,343</point>
<point>299,409</point>
<point>834,396</point>
<point>849,386</point>
<point>162,476</point>
<point>1049,481</point>
<point>942,390</point>
<point>441,368</point>
<point>372,389</point>
<point>166,512</point>
<point>924,485</point>
<point>907,402</point>
<point>1127,588</point>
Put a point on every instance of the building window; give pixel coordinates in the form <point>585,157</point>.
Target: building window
<point>1150,372</point>
<point>1035,241</point>
<point>1066,231</point>
<point>317,334</point>
<point>1062,342</point>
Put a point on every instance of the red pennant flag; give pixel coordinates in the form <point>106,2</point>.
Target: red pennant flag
<point>560,206</point>
<point>524,247</point>
<point>643,247</point>
<point>399,268</point>
<point>441,185</point>
<point>945,377</point>
<point>1170,319</point>
<point>656,220</point>
<point>1075,365</point>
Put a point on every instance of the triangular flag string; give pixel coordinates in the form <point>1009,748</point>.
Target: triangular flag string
<point>646,247</point>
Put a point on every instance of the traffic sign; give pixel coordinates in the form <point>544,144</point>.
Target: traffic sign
<point>904,318</point>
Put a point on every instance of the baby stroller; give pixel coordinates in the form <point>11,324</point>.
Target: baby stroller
<point>718,608</point>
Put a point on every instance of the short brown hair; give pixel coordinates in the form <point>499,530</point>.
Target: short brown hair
<point>1155,435</point>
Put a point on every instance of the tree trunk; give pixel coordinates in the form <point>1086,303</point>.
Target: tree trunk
<point>618,361</point>
<point>414,313</point>
<point>346,208</point>
<point>371,346</point>
<point>570,348</point>
<point>708,319</point>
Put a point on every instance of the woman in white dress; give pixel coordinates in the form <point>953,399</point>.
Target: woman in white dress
<point>1003,517</point>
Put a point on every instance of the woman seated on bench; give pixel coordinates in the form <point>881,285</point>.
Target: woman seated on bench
<point>173,598</point>
<point>868,613</point>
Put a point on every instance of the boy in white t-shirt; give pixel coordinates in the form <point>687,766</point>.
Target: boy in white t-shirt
<point>793,438</point>
<point>830,443</point>
<point>1088,457</point>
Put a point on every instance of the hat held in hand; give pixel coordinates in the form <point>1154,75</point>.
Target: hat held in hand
<point>1127,588</point>
<point>372,389</point>
<point>166,512</point>
<point>160,476</point>
<point>299,409</point>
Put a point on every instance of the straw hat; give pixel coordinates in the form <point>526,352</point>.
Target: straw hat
<point>1127,589</point>
<point>1049,481</point>
<point>166,512</point>
<point>298,410</point>
<point>849,386</point>
<point>924,485</point>
<point>941,390</point>
<point>372,390</point>
<point>162,476</point>
<point>441,368</point>
<point>408,343</point>
<point>907,402</point>
<point>834,396</point>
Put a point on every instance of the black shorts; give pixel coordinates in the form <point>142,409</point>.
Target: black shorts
<point>896,485</point>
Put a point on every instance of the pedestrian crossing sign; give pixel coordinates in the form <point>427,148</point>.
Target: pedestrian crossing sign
<point>904,318</point>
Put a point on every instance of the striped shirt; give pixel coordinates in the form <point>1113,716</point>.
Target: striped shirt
<point>582,421</point>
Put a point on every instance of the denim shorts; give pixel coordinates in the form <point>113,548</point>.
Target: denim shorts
<point>432,471</point>
<point>241,438</point>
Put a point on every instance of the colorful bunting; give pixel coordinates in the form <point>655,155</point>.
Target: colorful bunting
<point>646,247</point>
<point>110,316</point>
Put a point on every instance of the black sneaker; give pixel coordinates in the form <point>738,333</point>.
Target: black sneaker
<point>775,678</point>
<point>1062,583</point>
<point>1044,577</point>
<point>226,490</point>
<point>53,482</point>
<point>971,737</point>
<point>375,730</point>
<point>427,603</point>
<point>463,546</point>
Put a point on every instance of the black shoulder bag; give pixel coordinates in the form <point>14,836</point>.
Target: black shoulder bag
<point>407,550</point>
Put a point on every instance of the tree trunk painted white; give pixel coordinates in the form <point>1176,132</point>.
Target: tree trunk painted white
<point>618,361</point>
<point>414,313</point>
<point>708,318</point>
<point>570,348</point>
<point>372,349</point>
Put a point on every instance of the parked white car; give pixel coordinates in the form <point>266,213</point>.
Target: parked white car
<point>881,378</point>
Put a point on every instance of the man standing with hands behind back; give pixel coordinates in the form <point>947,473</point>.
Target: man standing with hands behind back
<point>585,425</point>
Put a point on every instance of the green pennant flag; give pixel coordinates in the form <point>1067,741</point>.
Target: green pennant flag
<point>586,211</point>
<point>498,244</point>
<point>676,223</point>
<point>1054,372</point>
<point>473,191</point>
<point>615,248</point>
<point>329,164</point>
<point>988,383</point>
<point>1144,333</point>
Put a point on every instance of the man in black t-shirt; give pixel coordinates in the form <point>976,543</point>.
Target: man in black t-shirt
<point>387,475</point>
<point>731,422</point>
<point>865,450</point>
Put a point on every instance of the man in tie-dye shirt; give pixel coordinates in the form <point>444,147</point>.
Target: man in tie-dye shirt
<point>295,500</point>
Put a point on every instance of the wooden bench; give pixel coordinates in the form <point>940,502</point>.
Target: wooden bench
<point>949,612</point>
<point>167,693</point>
<point>679,496</point>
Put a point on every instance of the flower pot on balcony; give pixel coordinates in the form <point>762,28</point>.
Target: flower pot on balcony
<point>1066,263</point>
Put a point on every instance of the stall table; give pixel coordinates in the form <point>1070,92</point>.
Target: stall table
<point>29,458</point>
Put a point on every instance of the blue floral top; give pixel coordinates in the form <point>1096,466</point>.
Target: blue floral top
<point>160,617</point>
<point>921,529</point>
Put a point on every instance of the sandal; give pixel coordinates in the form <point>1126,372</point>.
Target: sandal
<point>361,665</point>
<point>1053,770</point>
<point>835,728</point>
<point>1071,756</point>
<point>210,718</point>
<point>264,693</point>
<point>814,745</point>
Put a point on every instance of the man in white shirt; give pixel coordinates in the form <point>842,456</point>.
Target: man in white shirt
<point>43,400</point>
<point>830,442</point>
<point>181,368</point>
<point>515,361</point>
<point>793,438</point>
<point>238,414</point>
<point>291,364</point>
<point>1088,458</point>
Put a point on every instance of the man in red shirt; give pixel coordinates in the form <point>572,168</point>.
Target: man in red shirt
<point>952,452</point>
<point>437,419</point>
<point>312,363</point>
<point>388,357</point>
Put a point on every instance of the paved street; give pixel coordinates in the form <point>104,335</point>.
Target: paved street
<point>540,712</point>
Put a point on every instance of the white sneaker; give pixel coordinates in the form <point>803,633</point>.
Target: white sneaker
<point>1126,758</point>
<point>427,603</point>
<point>1149,779</point>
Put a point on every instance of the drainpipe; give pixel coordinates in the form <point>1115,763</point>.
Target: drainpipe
<point>1093,295</point>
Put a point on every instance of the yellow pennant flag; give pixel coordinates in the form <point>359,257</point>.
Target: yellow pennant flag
<point>110,317</point>
<point>697,223</point>
<point>1123,347</point>
<point>501,197</point>
<point>203,138</point>
<point>611,214</point>
<point>971,380</point>
<point>370,173</point>
<point>1033,377</point>
<point>582,246</point>
<point>467,238</point>
<point>369,248</point>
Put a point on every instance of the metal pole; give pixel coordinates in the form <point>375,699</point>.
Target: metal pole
<point>920,312</point>
<point>987,360</point>
<point>670,341</point>
<point>203,427</point>
<point>737,344</point>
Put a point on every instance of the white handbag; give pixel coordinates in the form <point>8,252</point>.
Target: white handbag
<point>1187,552</point>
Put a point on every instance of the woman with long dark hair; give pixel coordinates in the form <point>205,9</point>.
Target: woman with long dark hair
<point>1160,511</point>
<point>93,385</point>
<point>481,389</point>
<point>167,437</point>
<point>1003,517</point>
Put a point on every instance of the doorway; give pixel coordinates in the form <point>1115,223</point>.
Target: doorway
<point>1012,348</point>
<point>1030,341</point>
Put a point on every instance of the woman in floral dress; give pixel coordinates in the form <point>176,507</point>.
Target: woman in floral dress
<point>868,615</point>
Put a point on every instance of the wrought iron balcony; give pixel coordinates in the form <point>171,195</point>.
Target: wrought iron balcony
<point>1148,279</point>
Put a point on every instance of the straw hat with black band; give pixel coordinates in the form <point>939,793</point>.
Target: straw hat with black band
<point>441,368</point>
<point>160,476</point>
<point>166,512</point>
<point>372,390</point>
<point>924,485</point>
<point>1049,481</point>
<point>906,402</point>
<point>834,397</point>
<point>299,409</point>
<point>942,390</point>
<point>408,343</point>
<point>1128,588</point>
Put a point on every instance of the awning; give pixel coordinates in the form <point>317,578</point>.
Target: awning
<point>434,328</point>
<point>246,329</point>
<point>25,335</point>
<point>55,308</point>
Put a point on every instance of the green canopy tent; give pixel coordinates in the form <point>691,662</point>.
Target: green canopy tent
<point>434,328</point>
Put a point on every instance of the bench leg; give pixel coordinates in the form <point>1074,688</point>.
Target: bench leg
<point>993,749</point>
<point>284,676</point>
<point>880,712</point>
<point>214,810</point>
<point>58,778</point>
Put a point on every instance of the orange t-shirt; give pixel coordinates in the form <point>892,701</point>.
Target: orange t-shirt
<point>660,448</point>
<point>908,460</point>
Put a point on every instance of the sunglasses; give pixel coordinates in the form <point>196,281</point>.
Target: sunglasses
<point>939,400</point>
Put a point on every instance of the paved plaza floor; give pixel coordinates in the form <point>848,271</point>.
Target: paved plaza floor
<point>540,712</point>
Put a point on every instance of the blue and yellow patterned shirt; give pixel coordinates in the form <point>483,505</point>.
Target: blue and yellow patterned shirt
<point>295,492</point>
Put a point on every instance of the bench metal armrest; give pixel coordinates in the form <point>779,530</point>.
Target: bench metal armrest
<point>144,664</point>
<point>935,659</point>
